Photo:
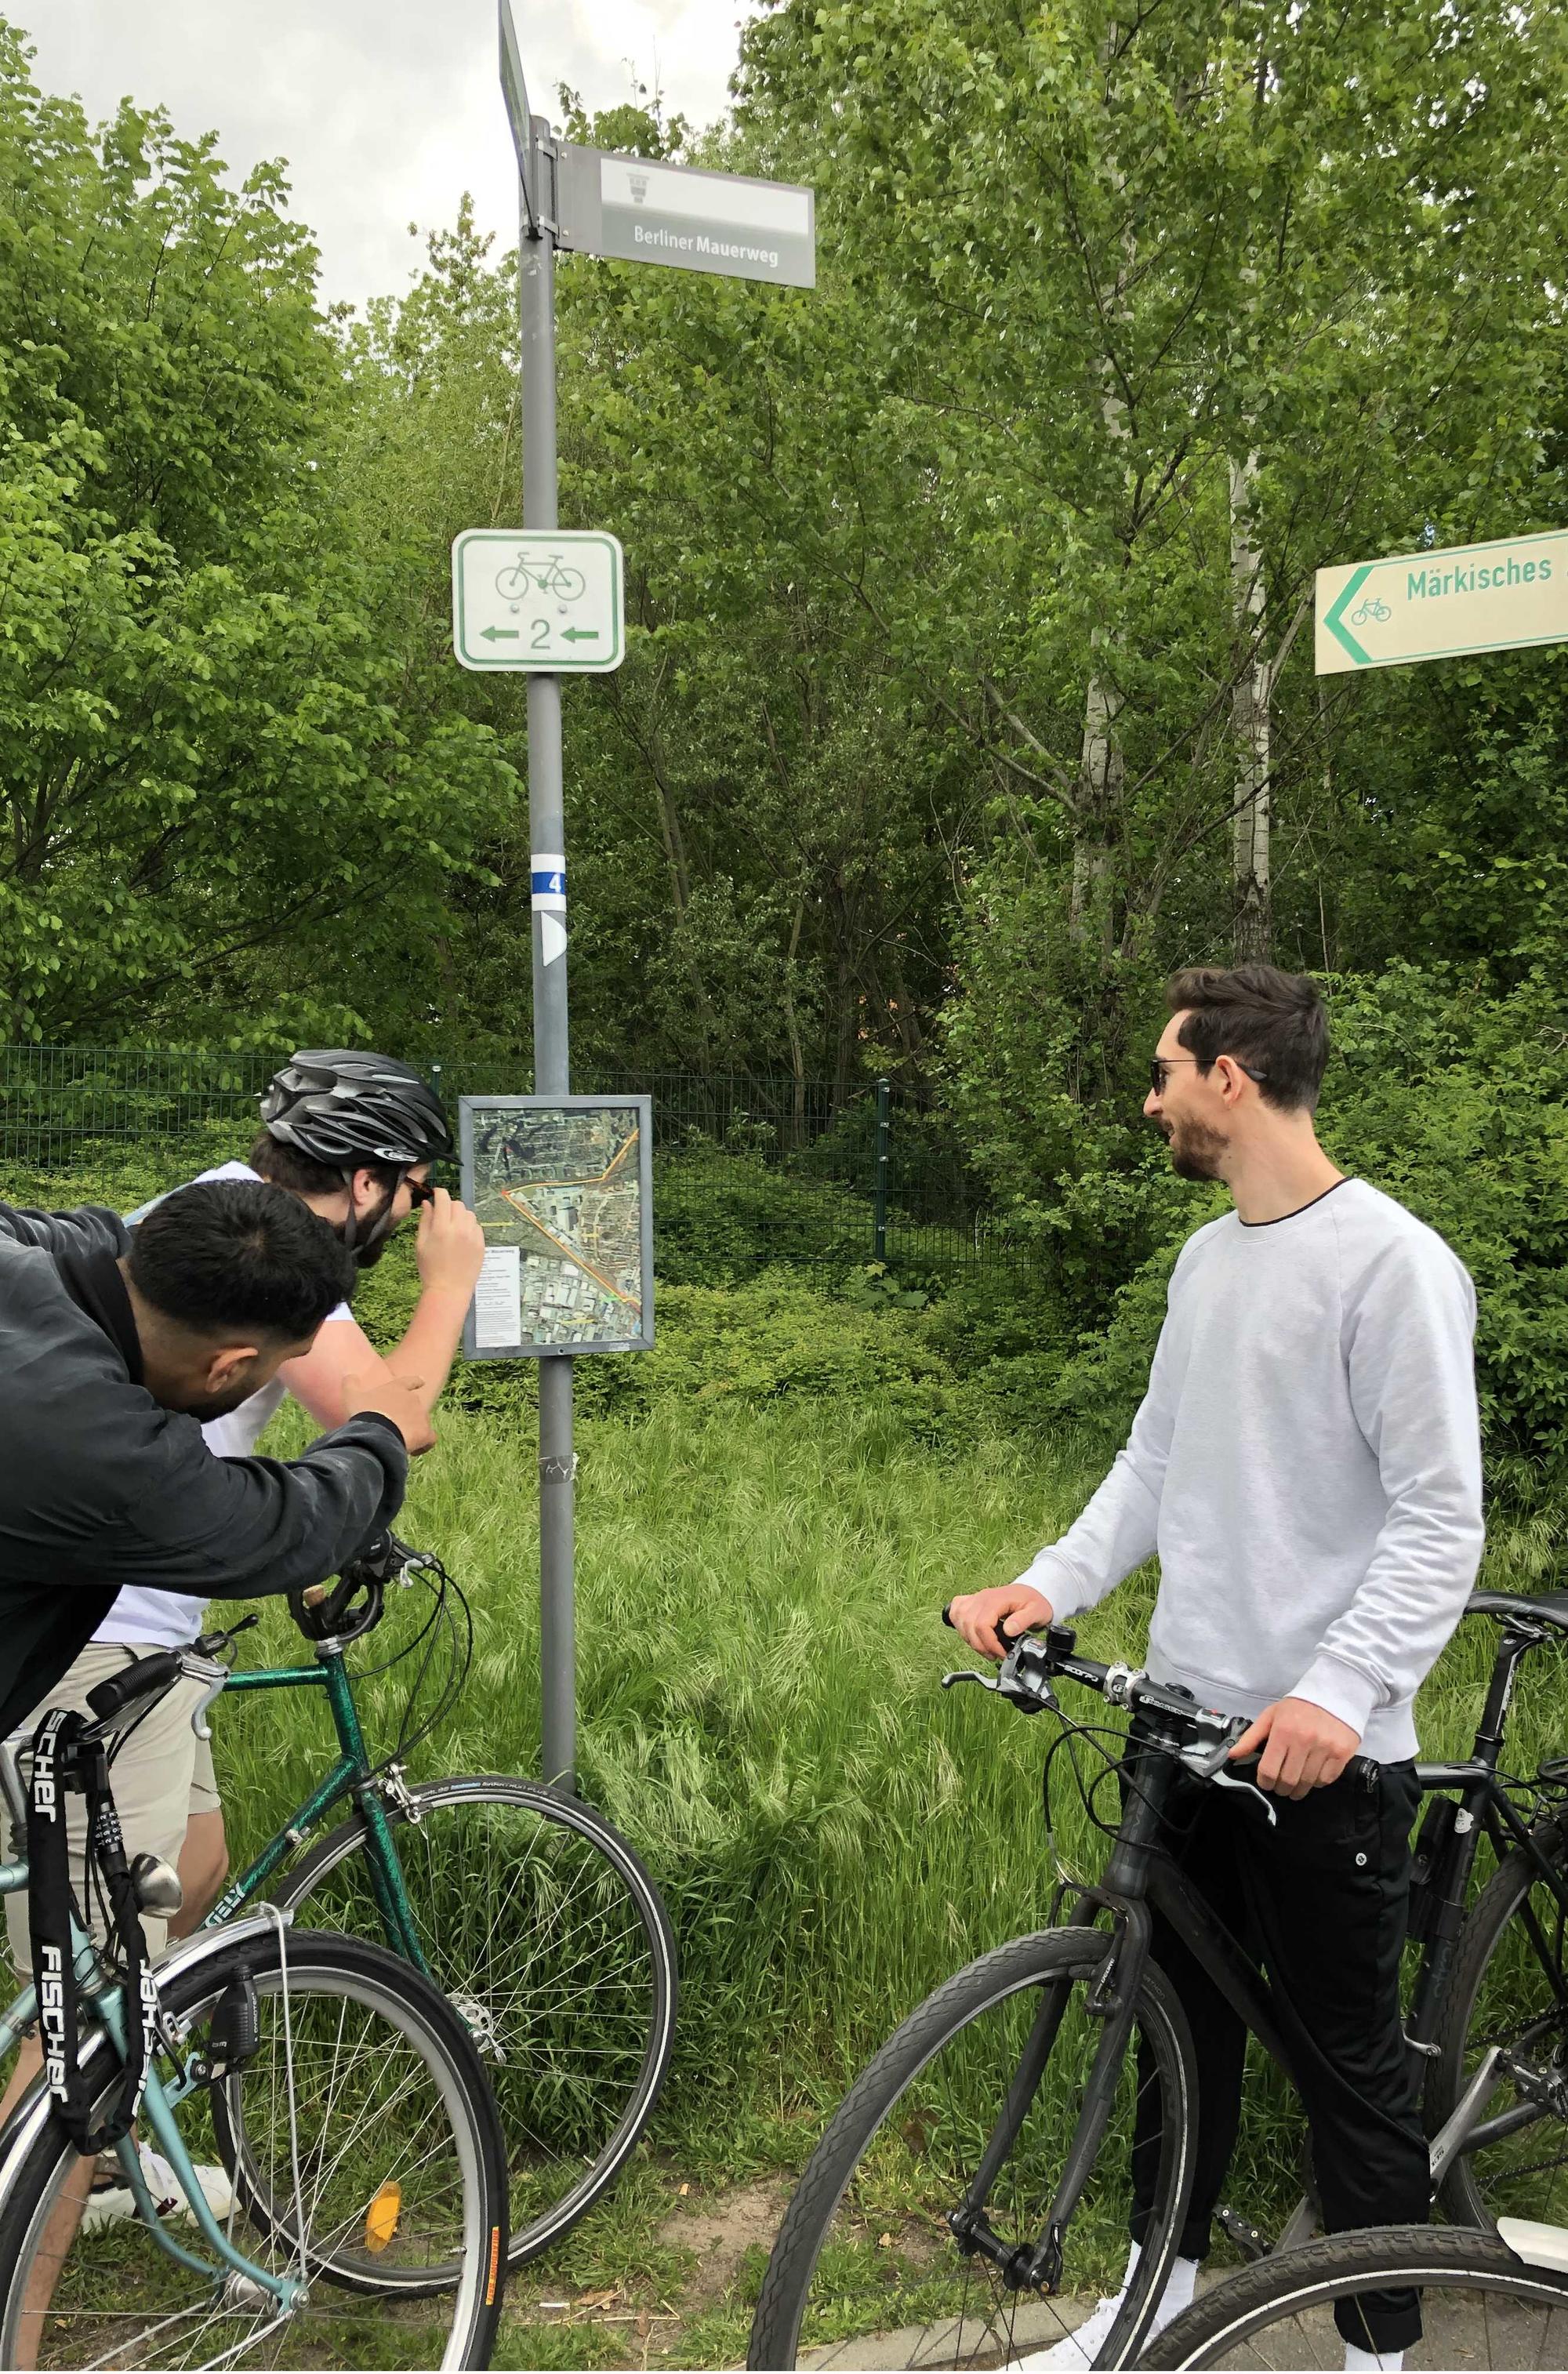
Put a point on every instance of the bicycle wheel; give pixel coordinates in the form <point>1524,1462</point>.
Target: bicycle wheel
<point>566,584</point>
<point>1509,1986</point>
<point>1481,2305</point>
<point>374,2158</point>
<point>865,2271</point>
<point>541,1925</point>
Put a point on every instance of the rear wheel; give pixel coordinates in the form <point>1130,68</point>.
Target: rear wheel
<point>1509,1987</point>
<point>1480,2306</point>
<point>540,1925</point>
<point>867,2271</point>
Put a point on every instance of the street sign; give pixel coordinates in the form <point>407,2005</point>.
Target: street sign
<point>514,91</point>
<point>1432,606</point>
<point>545,599</point>
<point>649,213</point>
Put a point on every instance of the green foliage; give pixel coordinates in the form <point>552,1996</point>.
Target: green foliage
<point>209,745</point>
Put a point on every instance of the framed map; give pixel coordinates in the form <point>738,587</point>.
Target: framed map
<point>562,1187</point>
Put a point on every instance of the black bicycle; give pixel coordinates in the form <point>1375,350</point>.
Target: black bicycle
<point>978,2171</point>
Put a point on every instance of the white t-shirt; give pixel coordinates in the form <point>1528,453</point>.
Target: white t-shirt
<point>171,1619</point>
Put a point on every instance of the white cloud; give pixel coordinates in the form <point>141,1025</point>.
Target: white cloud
<point>386,110</point>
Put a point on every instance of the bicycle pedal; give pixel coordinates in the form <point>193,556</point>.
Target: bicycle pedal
<point>1240,2232</point>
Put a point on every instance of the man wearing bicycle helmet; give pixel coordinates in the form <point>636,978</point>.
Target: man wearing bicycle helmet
<point>354,1137</point>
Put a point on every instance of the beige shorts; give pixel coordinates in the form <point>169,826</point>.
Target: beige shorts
<point>162,1775</point>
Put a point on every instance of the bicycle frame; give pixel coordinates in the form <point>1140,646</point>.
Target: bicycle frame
<point>1138,1878</point>
<point>352,1776</point>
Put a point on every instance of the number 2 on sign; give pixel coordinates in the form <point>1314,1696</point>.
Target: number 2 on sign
<point>541,634</point>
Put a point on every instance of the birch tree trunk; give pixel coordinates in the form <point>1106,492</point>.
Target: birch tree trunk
<point>1250,722</point>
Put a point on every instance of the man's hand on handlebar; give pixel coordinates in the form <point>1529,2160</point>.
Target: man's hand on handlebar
<point>979,1616</point>
<point>1299,1746</point>
<point>381,1394</point>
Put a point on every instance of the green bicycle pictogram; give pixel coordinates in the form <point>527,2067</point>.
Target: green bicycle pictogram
<point>550,576</point>
<point>1372,607</point>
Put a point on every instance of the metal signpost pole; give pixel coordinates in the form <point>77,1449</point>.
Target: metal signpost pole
<point>557,602</point>
<point>547,837</point>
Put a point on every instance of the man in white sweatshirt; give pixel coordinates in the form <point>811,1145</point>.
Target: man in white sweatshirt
<point>1306,1465</point>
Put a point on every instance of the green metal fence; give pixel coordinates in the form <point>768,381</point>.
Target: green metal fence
<point>748,1168</point>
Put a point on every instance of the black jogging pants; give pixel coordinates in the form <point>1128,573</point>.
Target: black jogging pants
<point>1320,1899</point>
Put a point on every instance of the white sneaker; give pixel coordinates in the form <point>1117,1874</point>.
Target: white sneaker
<point>113,2204</point>
<point>1078,2349</point>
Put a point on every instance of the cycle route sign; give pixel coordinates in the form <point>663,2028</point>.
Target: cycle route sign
<point>549,599</point>
<point>1432,606</point>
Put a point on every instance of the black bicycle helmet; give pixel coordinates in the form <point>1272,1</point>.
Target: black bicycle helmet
<point>343,1109</point>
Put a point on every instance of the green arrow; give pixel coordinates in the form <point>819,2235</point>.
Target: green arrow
<point>500,634</point>
<point>1337,611</point>
<point>580,635</point>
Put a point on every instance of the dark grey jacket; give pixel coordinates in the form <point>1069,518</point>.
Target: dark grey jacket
<point>100,1487</point>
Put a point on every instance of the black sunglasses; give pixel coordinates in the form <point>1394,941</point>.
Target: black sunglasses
<point>421,1191</point>
<point>1161,1065</point>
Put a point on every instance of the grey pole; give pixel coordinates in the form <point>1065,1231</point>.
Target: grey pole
<point>552,1072</point>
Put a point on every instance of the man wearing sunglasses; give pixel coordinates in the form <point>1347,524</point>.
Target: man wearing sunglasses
<point>354,1135</point>
<point>1306,1467</point>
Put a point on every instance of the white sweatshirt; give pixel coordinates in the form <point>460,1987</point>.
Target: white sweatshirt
<point>1307,1465</point>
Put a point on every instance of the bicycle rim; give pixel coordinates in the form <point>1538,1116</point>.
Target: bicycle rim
<point>866,2272</point>
<point>366,2132</point>
<point>542,1928</point>
<point>1510,1988</point>
<point>1482,2307</point>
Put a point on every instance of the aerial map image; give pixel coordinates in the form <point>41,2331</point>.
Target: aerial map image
<point>558,1192</point>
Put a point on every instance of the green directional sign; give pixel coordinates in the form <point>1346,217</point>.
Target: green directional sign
<point>541,599</point>
<point>1434,605</point>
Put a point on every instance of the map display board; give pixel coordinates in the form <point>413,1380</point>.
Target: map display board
<point>562,1187</point>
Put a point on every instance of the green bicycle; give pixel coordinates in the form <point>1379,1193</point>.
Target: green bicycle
<point>523,1906</point>
<point>365,2220</point>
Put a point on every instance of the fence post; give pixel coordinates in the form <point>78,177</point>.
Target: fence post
<point>880,1184</point>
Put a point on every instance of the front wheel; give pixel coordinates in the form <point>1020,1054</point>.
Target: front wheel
<point>1509,1987</point>
<point>541,1926</point>
<point>971,2105</point>
<point>370,2180</point>
<point>1481,2306</point>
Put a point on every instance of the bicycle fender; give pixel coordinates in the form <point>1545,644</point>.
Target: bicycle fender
<point>1538,2245</point>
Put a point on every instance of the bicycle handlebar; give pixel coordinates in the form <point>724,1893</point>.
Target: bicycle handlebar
<point>1025,1673</point>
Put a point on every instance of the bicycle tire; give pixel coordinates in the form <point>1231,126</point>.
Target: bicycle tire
<point>411,2031</point>
<point>1476,2187</point>
<point>1228,2324</point>
<point>1059,1957</point>
<point>606,2133</point>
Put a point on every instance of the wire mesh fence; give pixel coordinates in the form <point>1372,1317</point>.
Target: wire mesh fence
<point>748,1168</point>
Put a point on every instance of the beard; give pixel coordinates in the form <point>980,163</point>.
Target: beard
<point>363,1255</point>
<point>1197,1151</point>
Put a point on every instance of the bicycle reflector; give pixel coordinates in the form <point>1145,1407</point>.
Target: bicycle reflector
<point>381,2217</point>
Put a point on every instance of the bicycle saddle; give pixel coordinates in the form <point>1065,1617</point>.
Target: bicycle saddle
<point>1552,1607</point>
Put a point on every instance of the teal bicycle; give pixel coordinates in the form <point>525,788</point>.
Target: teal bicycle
<point>525,1907</point>
<point>342,2097</point>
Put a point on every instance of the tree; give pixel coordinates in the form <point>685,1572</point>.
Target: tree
<point>209,756</point>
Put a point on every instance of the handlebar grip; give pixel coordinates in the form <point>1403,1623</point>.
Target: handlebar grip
<point>148,1677</point>
<point>948,1617</point>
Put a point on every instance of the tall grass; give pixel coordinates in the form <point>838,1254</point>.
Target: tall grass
<point>759,1594</point>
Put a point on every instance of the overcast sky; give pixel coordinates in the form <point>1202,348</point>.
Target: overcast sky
<point>386,110</point>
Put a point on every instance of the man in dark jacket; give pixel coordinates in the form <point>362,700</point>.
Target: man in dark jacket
<point>112,1351</point>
